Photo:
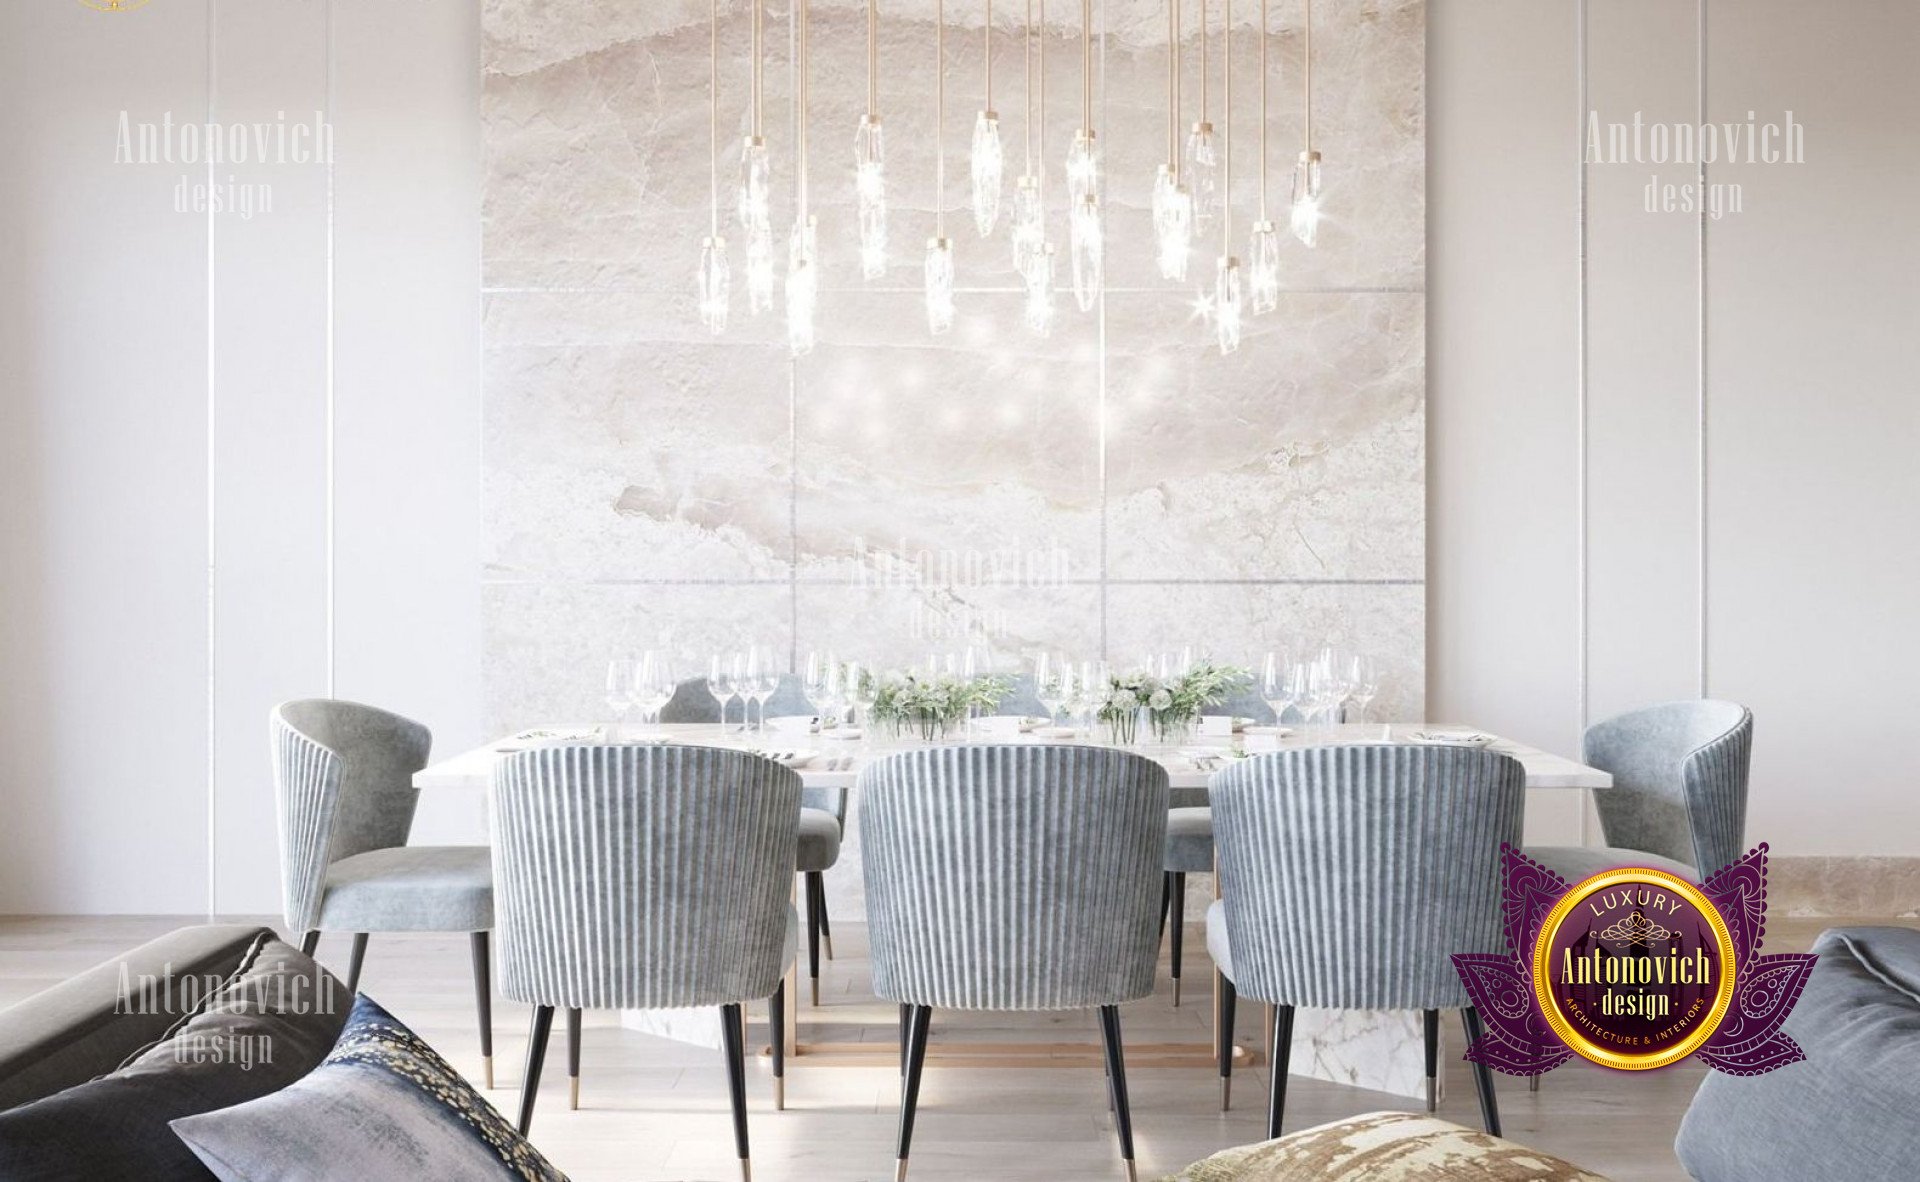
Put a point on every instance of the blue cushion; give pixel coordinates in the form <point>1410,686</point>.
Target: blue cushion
<point>382,1105</point>
<point>410,888</point>
<point>1190,840</point>
<point>1847,1111</point>
<point>819,840</point>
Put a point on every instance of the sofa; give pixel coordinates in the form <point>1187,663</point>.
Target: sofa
<point>1851,1109</point>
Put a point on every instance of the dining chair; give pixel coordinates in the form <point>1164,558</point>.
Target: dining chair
<point>646,876</point>
<point>1189,851</point>
<point>823,813</point>
<point>1012,877</point>
<point>1679,796</point>
<point>343,781</point>
<point>1349,876</point>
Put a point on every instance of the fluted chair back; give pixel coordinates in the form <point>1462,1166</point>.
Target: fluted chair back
<point>1352,874</point>
<point>641,876</point>
<point>1679,780</point>
<point>343,785</point>
<point>1013,877</point>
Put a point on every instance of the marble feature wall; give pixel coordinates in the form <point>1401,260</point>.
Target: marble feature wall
<point>1118,488</point>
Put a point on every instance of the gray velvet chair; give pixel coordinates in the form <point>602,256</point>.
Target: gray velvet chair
<point>1189,851</point>
<point>646,877</point>
<point>343,778</point>
<point>1679,796</point>
<point>1012,877</point>
<point>1350,875</point>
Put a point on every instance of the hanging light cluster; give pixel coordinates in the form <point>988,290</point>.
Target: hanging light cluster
<point>1192,188</point>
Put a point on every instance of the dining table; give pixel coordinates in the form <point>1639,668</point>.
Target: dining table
<point>1381,1053</point>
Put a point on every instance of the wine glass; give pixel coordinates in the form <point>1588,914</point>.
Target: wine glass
<point>723,682</point>
<point>1277,685</point>
<point>1363,683</point>
<point>822,682</point>
<point>620,689</point>
<point>1094,683</point>
<point>1052,682</point>
<point>1328,685</point>
<point>863,687</point>
<point>654,683</point>
<point>763,679</point>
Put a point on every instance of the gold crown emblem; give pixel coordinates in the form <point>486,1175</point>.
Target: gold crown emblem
<point>1635,929</point>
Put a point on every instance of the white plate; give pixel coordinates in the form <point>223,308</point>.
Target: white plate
<point>1053,732</point>
<point>841,732</point>
<point>1278,732</point>
<point>1451,738</point>
<point>546,736</point>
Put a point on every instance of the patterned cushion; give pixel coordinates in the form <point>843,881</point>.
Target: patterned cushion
<point>382,1105</point>
<point>1385,1147</point>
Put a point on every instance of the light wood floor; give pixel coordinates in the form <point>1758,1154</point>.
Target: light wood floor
<point>657,1110</point>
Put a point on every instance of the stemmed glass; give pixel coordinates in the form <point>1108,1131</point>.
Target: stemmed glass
<point>763,679</point>
<point>1278,685</point>
<point>1363,683</point>
<point>863,688</point>
<point>620,690</point>
<point>724,678</point>
<point>1328,686</point>
<point>824,687</point>
<point>1094,680</point>
<point>1053,682</point>
<point>654,684</point>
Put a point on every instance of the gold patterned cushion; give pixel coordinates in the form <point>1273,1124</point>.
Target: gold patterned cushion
<point>1385,1147</point>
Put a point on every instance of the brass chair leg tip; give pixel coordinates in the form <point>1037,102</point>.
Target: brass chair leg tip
<point>573,1093</point>
<point>828,941</point>
<point>1132,1174</point>
<point>1226,1093</point>
<point>1176,993</point>
<point>746,1170</point>
<point>900,1170</point>
<point>1432,1095</point>
<point>816,991</point>
<point>486,1070</point>
<point>779,1093</point>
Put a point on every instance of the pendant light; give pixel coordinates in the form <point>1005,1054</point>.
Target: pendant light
<point>988,158</point>
<point>1306,172</point>
<point>716,296</point>
<point>1227,311</point>
<point>1037,268</point>
<point>803,269</point>
<point>869,163</point>
<point>1083,183</point>
<point>1263,246</point>
<point>755,200</point>
<point>1203,152</point>
<point>938,270</point>
<point>1172,203</point>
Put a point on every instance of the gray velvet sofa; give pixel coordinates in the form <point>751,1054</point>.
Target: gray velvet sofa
<point>85,1027</point>
<point>1851,1110</point>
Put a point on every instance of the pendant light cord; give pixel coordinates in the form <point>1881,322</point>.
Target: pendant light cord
<point>1173,90</point>
<point>1306,72</point>
<point>873,59</point>
<point>713,112</point>
<point>1026,98</point>
<point>1203,61</point>
<point>1086,64</point>
<point>757,56</point>
<point>1040,133</point>
<point>1226,128</point>
<point>1263,110</point>
<point>986,39</point>
<point>940,119</point>
<point>805,64</point>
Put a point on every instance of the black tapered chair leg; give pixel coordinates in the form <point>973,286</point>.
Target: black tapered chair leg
<point>483,1000</point>
<point>1117,1083</point>
<point>1431,1020</point>
<point>910,1095</point>
<point>1482,1075</point>
<point>813,933</point>
<point>1282,1055</point>
<point>1223,1037</point>
<point>906,1037</point>
<point>573,1060</point>
<point>1166,897</point>
<point>826,925</point>
<point>309,942</point>
<point>1177,918</point>
<point>354,960</point>
<point>735,1042</point>
<point>536,1059</point>
<point>777,1028</point>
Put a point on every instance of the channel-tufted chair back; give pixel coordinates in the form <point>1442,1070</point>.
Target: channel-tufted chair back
<point>343,783</point>
<point>1679,780</point>
<point>1013,876</point>
<point>1351,874</point>
<point>642,876</point>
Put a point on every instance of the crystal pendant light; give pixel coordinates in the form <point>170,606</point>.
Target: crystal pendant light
<point>803,269</point>
<point>1089,251</point>
<point>1085,230</point>
<point>938,269</point>
<point>1263,245</point>
<point>1029,213</point>
<point>1172,204</point>
<point>754,204</point>
<point>869,164</point>
<point>1227,309</point>
<point>1305,214</point>
<point>716,295</point>
<point>1038,278</point>
<point>1202,165</point>
<point>988,158</point>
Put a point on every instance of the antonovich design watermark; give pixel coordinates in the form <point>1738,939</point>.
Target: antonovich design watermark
<point>206,147</point>
<point>1692,145</point>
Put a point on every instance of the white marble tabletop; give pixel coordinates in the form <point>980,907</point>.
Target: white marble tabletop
<point>836,762</point>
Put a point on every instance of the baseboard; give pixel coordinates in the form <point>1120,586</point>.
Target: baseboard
<point>1862,886</point>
